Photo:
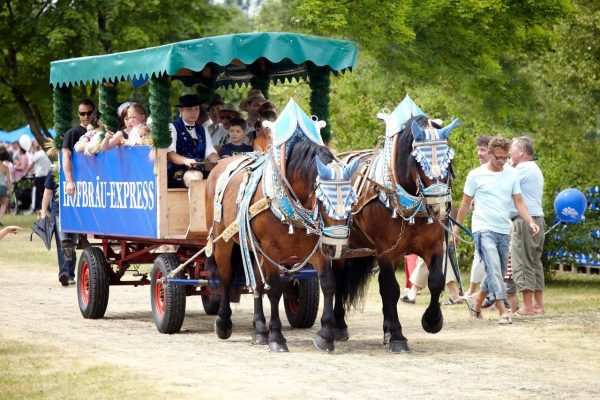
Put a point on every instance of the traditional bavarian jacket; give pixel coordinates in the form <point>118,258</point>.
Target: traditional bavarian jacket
<point>186,145</point>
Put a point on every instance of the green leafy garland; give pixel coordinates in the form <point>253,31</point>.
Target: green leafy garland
<point>108,105</point>
<point>159,110</point>
<point>319,83</point>
<point>62,106</point>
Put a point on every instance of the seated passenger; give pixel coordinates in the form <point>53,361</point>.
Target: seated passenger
<point>190,145</point>
<point>263,134</point>
<point>226,113</point>
<point>236,133</point>
<point>138,133</point>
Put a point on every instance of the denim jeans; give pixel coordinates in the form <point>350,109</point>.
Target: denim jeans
<point>493,249</point>
<point>66,256</point>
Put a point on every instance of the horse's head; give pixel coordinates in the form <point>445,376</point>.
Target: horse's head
<point>336,196</point>
<point>429,149</point>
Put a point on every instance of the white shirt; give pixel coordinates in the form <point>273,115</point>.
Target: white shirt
<point>218,133</point>
<point>209,148</point>
<point>42,164</point>
<point>492,192</point>
<point>531,181</point>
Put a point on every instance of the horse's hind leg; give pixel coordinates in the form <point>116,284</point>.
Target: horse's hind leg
<point>223,324</point>
<point>276,340</point>
<point>433,319</point>
<point>325,336</point>
<point>260,334</point>
<point>390,294</point>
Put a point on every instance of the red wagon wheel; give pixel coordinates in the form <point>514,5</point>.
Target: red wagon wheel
<point>168,300</point>
<point>93,283</point>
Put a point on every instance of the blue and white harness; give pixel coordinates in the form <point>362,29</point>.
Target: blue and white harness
<point>431,151</point>
<point>332,188</point>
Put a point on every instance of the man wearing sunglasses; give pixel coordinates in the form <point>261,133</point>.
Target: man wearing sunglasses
<point>68,240</point>
<point>494,189</point>
<point>85,109</point>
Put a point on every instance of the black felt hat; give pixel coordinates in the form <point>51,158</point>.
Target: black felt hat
<point>188,100</point>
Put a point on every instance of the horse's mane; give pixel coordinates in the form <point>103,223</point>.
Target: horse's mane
<point>405,162</point>
<point>301,162</point>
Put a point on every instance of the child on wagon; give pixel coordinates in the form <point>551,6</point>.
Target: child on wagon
<point>91,142</point>
<point>236,133</point>
<point>139,133</point>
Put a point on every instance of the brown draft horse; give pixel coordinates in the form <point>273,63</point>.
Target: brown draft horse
<point>305,173</point>
<point>374,227</point>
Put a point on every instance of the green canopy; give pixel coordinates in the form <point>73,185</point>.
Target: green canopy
<point>216,61</point>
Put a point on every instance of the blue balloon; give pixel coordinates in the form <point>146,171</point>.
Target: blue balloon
<point>569,206</point>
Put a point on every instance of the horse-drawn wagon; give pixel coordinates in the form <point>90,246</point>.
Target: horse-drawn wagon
<point>122,201</point>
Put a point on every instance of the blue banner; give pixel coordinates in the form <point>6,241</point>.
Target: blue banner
<point>115,194</point>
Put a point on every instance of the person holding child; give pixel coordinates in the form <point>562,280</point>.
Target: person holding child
<point>263,134</point>
<point>190,145</point>
<point>90,143</point>
<point>237,134</point>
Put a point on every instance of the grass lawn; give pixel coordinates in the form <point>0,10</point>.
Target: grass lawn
<point>29,371</point>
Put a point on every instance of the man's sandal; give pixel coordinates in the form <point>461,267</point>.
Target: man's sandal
<point>472,311</point>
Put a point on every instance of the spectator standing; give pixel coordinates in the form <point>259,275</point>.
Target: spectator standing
<point>66,255</point>
<point>477,268</point>
<point>528,272</point>
<point>41,165</point>
<point>493,188</point>
<point>5,181</point>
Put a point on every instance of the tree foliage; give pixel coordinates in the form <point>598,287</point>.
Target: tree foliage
<point>35,32</point>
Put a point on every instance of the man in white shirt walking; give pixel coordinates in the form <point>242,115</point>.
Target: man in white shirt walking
<point>528,272</point>
<point>494,188</point>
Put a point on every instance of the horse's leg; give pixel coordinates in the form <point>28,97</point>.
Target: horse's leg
<point>340,330</point>
<point>433,320</point>
<point>223,324</point>
<point>260,334</point>
<point>386,323</point>
<point>277,341</point>
<point>390,294</point>
<point>325,335</point>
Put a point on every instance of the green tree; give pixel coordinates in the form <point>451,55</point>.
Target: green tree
<point>35,32</point>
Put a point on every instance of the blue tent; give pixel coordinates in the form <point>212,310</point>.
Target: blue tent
<point>11,136</point>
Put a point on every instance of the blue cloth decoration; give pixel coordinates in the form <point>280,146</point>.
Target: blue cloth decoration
<point>293,118</point>
<point>434,158</point>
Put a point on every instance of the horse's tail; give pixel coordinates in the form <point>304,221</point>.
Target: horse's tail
<point>352,280</point>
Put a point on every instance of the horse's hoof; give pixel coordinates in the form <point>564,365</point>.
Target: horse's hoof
<point>322,344</point>
<point>223,328</point>
<point>399,346</point>
<point>341,334</point>
<point>260,338</point>
<point>386,338</point>
<point>278,347</point>
<point>432,324</point>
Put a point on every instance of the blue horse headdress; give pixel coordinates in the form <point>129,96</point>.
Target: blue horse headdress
<point>431,150</point>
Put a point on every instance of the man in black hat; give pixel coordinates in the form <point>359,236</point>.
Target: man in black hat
<point>190,144</point>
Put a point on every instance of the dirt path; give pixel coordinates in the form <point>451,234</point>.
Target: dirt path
<point>552,356</point>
